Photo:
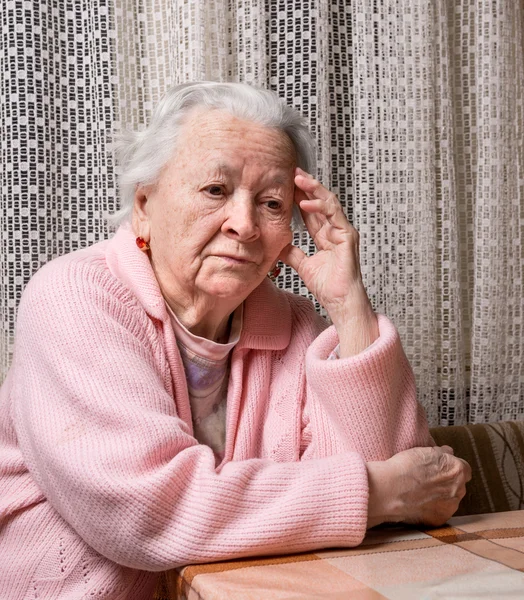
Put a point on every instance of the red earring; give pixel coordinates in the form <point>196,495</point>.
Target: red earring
<point>274,273</point>
<point>142,244</point>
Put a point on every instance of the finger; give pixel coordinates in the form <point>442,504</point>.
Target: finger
<point>320,211</point>
<point>333,215</point>
<point>315,191</point>
<point>462,492</point>
<point>467,470</point>
<point>316,213</point>
<point>312,220</point>
<point>314,205</point>
<point>447,449</point>
<point>299,171</point>
<point>312,188</point>
<point>292,256</point>
<point>300,195</point>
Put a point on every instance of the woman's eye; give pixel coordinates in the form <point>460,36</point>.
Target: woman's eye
<point>273,204</point>
<point>215,190</point>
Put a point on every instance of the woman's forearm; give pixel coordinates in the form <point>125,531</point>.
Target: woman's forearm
<point>357,332</point>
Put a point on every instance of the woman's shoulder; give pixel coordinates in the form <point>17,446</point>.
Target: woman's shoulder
<point>76,304</point>
<point>70,281</point>
<point>70,269</point>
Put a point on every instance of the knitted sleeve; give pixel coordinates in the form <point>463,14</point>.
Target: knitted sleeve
<point>96,423</point>
<point>366,402</point>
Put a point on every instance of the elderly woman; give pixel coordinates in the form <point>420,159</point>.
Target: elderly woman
<point>167,404</point>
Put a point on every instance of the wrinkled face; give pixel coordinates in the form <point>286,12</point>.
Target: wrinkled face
<point>220,213</point>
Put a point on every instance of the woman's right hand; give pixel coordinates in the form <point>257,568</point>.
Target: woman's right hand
<point>419,485</point>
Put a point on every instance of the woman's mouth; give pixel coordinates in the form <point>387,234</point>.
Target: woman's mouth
<point>234,260</point>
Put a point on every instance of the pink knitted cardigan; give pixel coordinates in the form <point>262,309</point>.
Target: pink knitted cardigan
<point>101,481</point>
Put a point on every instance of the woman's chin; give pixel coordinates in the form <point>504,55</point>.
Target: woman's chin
<point>231,287</point>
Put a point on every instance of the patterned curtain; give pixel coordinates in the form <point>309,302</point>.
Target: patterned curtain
<point>417,106</point>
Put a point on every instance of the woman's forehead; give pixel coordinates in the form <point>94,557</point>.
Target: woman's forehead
<point>209,132</point>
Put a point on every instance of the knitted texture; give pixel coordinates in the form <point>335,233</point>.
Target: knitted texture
<point>101,480</point>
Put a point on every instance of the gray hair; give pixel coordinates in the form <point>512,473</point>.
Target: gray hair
<point>141,155</point>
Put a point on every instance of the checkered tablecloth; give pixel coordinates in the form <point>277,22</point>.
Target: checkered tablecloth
<point>474,557</point>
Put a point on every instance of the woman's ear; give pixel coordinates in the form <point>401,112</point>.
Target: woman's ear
<point>140,219</point>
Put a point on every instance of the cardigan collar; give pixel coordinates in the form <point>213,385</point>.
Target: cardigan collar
<point>267,312</point>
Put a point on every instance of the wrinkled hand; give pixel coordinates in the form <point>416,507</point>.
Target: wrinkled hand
<point>332,274</point>
<point>420,485</point>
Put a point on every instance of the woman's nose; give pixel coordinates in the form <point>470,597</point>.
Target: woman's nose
<point>242,220</point>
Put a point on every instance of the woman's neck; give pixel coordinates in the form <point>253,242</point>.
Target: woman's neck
<point>209,322</point>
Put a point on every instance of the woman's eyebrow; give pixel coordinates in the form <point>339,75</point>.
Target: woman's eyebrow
<point>225,170</point>
<point>219,169</point>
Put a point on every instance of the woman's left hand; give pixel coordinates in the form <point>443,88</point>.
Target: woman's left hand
<point>333,274</point>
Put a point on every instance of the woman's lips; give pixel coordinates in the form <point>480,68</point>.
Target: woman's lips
<point>234,259</point>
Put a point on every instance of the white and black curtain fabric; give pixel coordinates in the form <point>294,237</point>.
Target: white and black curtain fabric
<point>57,112</point>
<point>417,106</point>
